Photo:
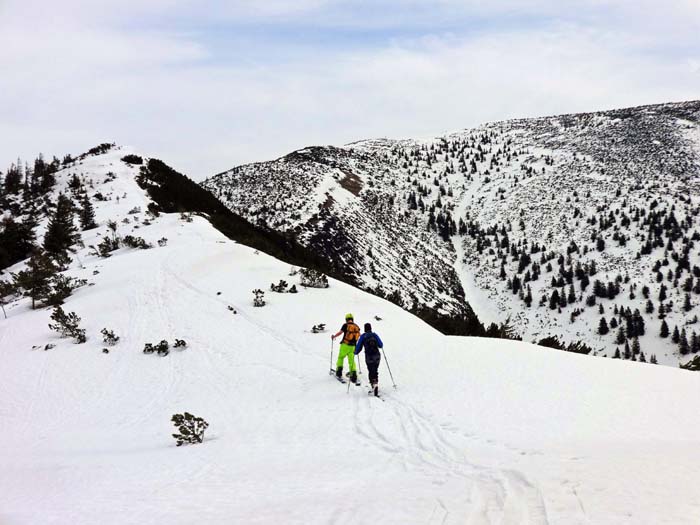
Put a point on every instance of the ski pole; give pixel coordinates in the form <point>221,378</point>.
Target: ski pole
<point>331,367</point>
<point>387,365</point>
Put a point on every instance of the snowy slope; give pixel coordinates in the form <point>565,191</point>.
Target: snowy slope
<point>512,195</point>
<point>478,431</point>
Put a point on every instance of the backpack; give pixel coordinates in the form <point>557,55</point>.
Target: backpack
<point>352,334</point>
<point>370,344</point>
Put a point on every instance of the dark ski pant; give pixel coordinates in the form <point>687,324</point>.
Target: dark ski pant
<point>373,368</point>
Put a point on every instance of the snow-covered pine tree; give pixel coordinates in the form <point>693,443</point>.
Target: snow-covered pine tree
<point>67,324</point>
<point>87,214</point>
<point>35,281</point>
<point>61,232</point>
<point>683,346</point>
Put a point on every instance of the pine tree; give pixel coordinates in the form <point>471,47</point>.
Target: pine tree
<point>694,343</point>
<point>16,240</point>
<point>603,326</point>
<point>87,214</point>
<point>61,232</point>
<point>554,300</point>
<point>653,360</point>
<point>683,346</point>
<point>621,338</point>
<point>627,353</point>
<point>35,281</point>
<point>676,335</point>
<point>635,346</point>
<point>662,293</point>
<point>664,329</point>
<point>686,304</point>
<point>617,353</point>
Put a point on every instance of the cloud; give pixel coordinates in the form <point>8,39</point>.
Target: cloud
<point>195,86</point>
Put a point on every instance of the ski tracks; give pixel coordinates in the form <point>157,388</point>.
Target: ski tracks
<point>489,495</point>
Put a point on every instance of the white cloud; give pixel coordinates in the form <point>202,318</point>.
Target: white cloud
<point>82,80</point>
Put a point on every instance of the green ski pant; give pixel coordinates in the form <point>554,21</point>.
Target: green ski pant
<point>349,352</point>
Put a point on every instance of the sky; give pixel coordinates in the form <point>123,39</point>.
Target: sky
<point>208,85</point>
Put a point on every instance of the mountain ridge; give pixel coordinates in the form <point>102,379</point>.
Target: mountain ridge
<point>496,175</point>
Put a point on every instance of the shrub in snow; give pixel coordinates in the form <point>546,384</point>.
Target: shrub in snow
<point>311,278</point>
<point>163,241</point>
<point>231,309</point>
<point>162,348</point>
<point>135,209</point>
<point>191,428</point>
<point>148,348</point>
<point>293,289</point>
<point>67,324</point>
<point>109,337</point>
<point>279,288</point>
<point>187,217</point>
<point>259,297</point>
<point>180,343</point>
<point>693,364</point>
<point>107,246</point>
<point>136,242</point>
<point>132,159</point>
<point>318,328</point>
<point>62,287</point>
<point>293,271</point>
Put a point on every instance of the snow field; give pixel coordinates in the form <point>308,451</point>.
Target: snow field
<point>479,431</point>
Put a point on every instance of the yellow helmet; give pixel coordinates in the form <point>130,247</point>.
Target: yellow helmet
<point>348,317</point>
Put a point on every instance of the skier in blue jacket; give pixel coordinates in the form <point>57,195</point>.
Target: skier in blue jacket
<point>371,343</point>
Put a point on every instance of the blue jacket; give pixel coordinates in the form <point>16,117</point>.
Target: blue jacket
<point>361,341</point>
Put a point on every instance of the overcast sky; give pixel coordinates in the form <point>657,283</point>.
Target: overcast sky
<point>209,85</point>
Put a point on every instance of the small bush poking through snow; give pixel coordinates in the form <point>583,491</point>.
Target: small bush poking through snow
<point>259,297</point>
<point>318,328</point>
<point>109,337</point>
<point>293,289</point>
<point>163,241</point>
<point>132,159</point>
<point>191,428</point>
<point>67,324</point>
<point>180,343</point>
<point>312,278</point>
<point>162,348</point>
<point>136,242</point>
<point>279,288</point>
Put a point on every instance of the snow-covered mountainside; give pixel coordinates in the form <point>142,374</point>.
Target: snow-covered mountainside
<point>477,431</point>
<point>583,227</point>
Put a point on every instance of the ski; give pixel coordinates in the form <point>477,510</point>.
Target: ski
<point>371,393</point>
<point>340,379</point>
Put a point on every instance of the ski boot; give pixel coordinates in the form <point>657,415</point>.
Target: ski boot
<point>339,372</point>
<point>353,377</point>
